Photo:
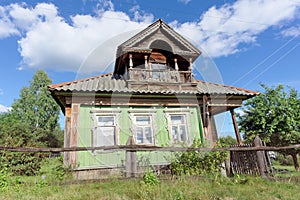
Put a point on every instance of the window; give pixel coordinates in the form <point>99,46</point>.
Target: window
<point>105,131</point>
<point>178,128</point>
<point>106,126</point>
<point>178,125</point>
<point>143,130</point>
<point>143,125</point>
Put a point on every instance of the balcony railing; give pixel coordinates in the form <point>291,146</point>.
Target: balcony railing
<point>160,75</point>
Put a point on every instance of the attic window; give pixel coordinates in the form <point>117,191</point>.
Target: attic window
<point>161,45</point>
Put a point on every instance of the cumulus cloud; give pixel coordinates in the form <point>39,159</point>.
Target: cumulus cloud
<point>53,43</point>
<point>221,31</point>
<point>88,42</point>
<point>4,109</point>
<point>7,27</point>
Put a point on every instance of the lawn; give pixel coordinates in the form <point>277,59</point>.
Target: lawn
<point>239,187</point>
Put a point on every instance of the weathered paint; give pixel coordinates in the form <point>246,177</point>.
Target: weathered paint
<point>89,159</point>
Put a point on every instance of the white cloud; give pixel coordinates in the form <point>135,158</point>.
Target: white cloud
<point>4,109</point>
<point>291,32</point>
<point>221,31</point>
<point>47,40</point>
<point>7,28</point>
<point>184,1</point>
<point>53,43</point>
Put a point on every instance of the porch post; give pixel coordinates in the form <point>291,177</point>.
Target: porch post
<point>130,61</point>
<point>176,65</point>
<point>146,63</point>
<point>67,135</point>
<point>191,65</point>
<point>236,128</point>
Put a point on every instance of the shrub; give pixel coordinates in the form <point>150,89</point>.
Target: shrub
<point>150,178</point>
<point>197,162</point>
<point>3,179</point>
<point>21,163</point>
<point>53,170</point>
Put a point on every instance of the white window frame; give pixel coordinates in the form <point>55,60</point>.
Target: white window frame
<point>185,112</point>
<point>134,114</point>
<point>96,113</point>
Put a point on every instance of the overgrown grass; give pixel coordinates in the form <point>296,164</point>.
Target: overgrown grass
<point>239,187</point>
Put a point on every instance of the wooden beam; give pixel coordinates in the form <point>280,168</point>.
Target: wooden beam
<point>74,132</point>
<point>236,128</point>
<point>67,134</point>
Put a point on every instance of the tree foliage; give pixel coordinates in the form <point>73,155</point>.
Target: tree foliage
<point>274,116</point>
<point>33,120</point>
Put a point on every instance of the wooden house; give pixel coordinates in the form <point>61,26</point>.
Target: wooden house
<point>151,95</point>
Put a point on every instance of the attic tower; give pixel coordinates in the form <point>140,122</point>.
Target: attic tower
<point>156,55</point>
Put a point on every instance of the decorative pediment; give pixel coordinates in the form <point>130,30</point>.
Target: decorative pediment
<point>156,38</point>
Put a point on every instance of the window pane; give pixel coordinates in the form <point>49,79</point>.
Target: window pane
<point>148,135</point>
<point>105,136</point>
<point>175,133</point>
<point>177,119</point>
<point>143,120</point>
<point>183,137</point>
<point>139,135</point>
<point>105,120</point>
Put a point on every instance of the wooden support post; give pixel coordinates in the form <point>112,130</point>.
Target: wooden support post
<point>67,134</point>
<point>261,159</point>
<point>176,65</point>
<point>131,167</point>
<point>74,133</point>
<point>146,62</point>
<point>191,65</point>
<point>130,61</point>
<point>236,128</point>
<point>205,111</point>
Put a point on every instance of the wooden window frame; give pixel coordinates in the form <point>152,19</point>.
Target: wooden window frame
<point>96,113</point>
<point>185,112</point>
<point>133,114</point>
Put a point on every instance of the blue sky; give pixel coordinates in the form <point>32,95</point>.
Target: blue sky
<point>244,42</point>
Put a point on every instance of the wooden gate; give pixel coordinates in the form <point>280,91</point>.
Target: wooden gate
<point>250,162</point>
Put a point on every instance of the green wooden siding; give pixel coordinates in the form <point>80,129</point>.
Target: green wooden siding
<point>89,159</point>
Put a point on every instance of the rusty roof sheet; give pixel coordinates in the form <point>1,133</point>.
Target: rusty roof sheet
<point>105,83</point>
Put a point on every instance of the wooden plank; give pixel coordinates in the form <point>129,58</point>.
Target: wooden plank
<point>74,133</point>
<point>261,160</point>
<point>236,128</point>
<point>67,134</point>
<point>144,148</point>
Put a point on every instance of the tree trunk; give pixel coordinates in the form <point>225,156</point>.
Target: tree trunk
<point>295,160</point>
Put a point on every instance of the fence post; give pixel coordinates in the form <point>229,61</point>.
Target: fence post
<point>131,167</point>
<point>261,159</point>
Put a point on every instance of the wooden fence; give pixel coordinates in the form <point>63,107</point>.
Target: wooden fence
<point>246,159</point>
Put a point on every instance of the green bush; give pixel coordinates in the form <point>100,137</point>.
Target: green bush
<point>53,170</point>
<point>150,178</point>
<point>20,163</point>
<point>197,162</point>
<point>4,175</point>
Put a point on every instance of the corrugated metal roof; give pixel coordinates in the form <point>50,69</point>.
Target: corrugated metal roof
<point>106,83</point>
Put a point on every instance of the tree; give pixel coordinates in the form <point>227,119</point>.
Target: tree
<point>37,111</point>
<point>274,116</point>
